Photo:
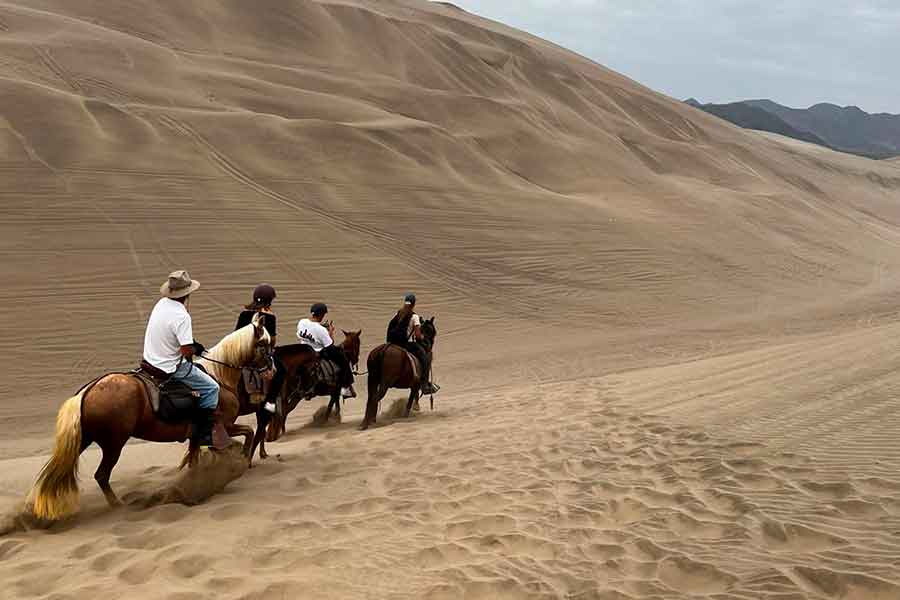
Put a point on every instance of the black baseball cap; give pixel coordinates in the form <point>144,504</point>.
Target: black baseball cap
<point>319,308</point>
<point>410,298</point>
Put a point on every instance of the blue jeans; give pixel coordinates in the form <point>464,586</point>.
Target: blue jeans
<point>199,381</point>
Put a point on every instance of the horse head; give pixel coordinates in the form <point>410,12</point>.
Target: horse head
<point>262,342</point>
<point>351,347</point>
<point>429,330</point>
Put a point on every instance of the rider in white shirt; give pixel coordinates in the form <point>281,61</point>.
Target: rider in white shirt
<point>169,346</point>
<point>320,338</point>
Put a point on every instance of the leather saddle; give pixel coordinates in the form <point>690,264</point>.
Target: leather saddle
<point>172,401</point>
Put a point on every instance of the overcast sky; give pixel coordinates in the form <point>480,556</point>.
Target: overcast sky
<point>796,52</point>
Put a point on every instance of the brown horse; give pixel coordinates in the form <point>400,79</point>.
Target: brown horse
<point>116,407</point>
<point>295,389</point>
<point>391,366</point>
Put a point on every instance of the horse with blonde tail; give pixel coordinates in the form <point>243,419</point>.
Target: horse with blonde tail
<point>115,407</point>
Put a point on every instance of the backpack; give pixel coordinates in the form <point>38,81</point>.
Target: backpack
<point>398,330</point>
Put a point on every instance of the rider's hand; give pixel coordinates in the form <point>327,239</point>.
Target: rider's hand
<point>199,349</point>
<point>330,327</point>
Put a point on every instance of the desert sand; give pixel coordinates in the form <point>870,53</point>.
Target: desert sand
<point>668,346</point>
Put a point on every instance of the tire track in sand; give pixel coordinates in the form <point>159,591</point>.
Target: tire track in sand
<point>371,236</point>
<point>46,58</point>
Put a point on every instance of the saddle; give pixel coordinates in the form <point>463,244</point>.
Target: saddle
<point>172,401</point>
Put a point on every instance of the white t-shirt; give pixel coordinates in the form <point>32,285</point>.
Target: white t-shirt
<point>414,322</point>
<point>313,334</point>
<point>168,329</point>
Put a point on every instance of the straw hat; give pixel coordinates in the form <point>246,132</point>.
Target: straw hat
<point>178,285</point>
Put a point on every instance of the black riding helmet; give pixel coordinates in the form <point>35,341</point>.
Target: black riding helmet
<point>263,294</point>
<point>319,308</point>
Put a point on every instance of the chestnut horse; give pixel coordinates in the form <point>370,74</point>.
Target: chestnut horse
<point>297,355</point>
<point>116,407</point>
<point>390,366</point>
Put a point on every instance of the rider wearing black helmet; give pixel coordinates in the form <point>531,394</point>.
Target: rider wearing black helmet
<point>261,303</point>
<point>319,335</point>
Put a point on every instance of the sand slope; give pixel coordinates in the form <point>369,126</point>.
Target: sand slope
<point>666,343</point>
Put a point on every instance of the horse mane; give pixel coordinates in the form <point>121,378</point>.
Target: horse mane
<point>234,349</point>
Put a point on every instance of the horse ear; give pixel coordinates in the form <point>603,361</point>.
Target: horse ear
<point>345,332</point>
<point>359,333</point>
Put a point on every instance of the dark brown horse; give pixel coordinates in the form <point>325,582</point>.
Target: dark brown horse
<point>391,366</point>
<point>116,407</point>
<point>296,389</point>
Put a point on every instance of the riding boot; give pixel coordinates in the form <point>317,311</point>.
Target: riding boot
<point>202,430</point>
<point>427,386</point>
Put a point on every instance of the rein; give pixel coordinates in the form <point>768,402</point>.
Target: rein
<point>239,368</point>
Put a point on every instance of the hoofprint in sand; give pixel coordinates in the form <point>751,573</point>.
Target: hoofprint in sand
<point>563,490</point>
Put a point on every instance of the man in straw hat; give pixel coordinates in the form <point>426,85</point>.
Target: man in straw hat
<point>169,346</point>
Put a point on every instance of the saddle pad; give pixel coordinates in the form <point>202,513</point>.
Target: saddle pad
<point>151,387</point>
<point>174,402</point>
<point>328,372</point>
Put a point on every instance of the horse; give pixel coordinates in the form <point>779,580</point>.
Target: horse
<point>116,407</point>
<point>300,355</point>
<point>391,366</point>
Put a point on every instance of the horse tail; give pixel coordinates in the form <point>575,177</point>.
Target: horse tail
<point>55,493</point>
<point>375,366</point>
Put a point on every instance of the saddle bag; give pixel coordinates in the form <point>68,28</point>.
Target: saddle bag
<point>257,383</point>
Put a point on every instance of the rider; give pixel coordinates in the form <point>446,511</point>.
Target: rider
<point>320,337</point>
<point>169,346</point>
<point>405,330</point>
<point>261,303</point>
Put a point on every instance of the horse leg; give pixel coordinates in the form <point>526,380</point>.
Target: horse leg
<point>234,430</point>
<point>413,397</point>
<point>335,403</point>
<point>375,395</point>
<point>259,438</point>
<point>112,450</point>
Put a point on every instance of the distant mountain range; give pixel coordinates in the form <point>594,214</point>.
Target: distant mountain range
<point>847,129</point>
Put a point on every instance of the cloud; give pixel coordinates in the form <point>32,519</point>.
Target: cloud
<point>798,52</point>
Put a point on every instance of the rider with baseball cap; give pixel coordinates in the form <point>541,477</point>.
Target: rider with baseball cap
<point>319,335</point>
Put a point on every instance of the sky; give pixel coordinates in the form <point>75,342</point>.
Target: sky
<point>796,52</point>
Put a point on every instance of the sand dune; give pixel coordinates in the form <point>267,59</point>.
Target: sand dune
<point>666,343</point>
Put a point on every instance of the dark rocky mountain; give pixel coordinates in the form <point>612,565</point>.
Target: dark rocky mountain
<point>847,129</point>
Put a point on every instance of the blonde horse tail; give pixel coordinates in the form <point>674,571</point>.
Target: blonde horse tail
<point>55,493</point>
